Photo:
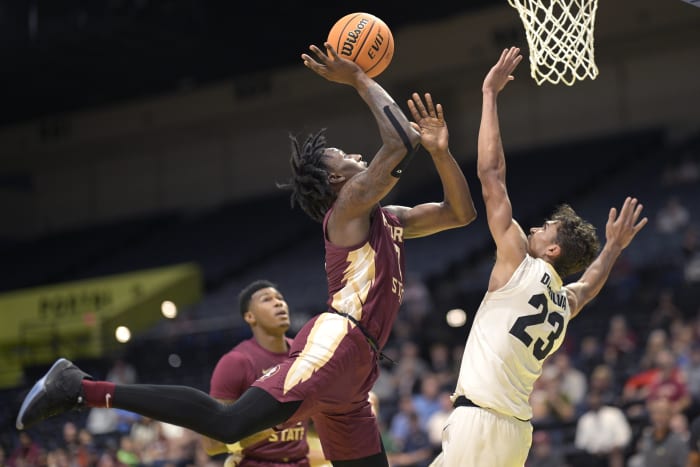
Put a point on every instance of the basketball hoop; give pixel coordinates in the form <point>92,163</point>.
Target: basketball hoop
<point>560,38</point>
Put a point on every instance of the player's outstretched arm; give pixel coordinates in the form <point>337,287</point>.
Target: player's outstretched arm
<point>457,208</point>
<point>511,241</point>
<point>619,232</point>
<point>399,139</point>
<point>491,162</point>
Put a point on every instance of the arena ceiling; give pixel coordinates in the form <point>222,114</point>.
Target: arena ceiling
<point>63,55</point>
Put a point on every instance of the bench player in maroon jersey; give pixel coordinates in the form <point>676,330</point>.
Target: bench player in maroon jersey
<point>264,309</point>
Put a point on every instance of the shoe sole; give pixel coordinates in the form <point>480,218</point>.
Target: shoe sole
<point>38,388</point>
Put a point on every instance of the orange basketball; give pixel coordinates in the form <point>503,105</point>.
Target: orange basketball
<point>364,39</point>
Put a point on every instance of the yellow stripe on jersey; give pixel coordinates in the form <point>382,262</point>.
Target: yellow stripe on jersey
<point>358,277</point>
<point>328,331</point>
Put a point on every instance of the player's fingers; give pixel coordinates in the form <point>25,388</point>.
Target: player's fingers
<point>612,215</point>
<point>310,63</point>
<point>331,50</point>
<point>504,54</point>
<point>632,209</point>
<point>637,212</point>
<point>322,57</point>
<point>419,104</point>
<point>440,113</point>
<point>429,104</point>
<point>516,62</point>
<point>641,224</point>
<point>413,110</point>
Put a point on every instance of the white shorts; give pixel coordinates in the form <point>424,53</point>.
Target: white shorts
<point>477,437</point>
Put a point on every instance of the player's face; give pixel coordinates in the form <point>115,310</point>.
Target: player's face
<point>269,310</point>
<point>541,239</point>
<point>343,164</point>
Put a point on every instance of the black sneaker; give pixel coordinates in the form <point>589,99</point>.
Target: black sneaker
<point>58,391</point>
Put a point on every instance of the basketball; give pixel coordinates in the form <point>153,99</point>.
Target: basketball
<point>364,39</point>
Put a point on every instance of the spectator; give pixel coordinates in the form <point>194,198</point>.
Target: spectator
<point>620,336</point>
<point>427,401</point>
<point>656,341</point>
<point>127,454</point>
<point>602,434</point>
<point>692,377</point>
<point>122,372</point>
<point>667,383</point>
<point>659,445</point>
<point>415,451</point>
<point>542,453</point>
<point>694,443</point>
<point>103,425</point>
<point>400,422</point>
<point>436,422</point>
<point>440,364</point>
<point>672,217</point>
<point>27,453</point>
<point>573,381</point>
<point>70,440</point>
<point>679,424</point>
<point>686,171</point>
<point>410,368</point>
<point>86,455</point>
<point>57,457</point>
<point>690,248</point>
<point>589,356</point>
<point>666,311</point>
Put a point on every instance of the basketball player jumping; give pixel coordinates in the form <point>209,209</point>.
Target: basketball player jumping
<point>333,359</point>
<point>523,317</point>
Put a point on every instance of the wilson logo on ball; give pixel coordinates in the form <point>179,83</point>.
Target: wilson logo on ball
<point>364,39</point>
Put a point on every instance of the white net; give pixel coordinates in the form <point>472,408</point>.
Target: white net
<point>560,39</point>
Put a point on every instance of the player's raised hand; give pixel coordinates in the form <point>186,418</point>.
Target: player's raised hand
<point>501,73</point>
<point>621,229</point>
<point>332,66</point>
<point>429,121</point>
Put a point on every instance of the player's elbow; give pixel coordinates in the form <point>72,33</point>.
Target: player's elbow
<point>490,174</point>
<point>465,216</point>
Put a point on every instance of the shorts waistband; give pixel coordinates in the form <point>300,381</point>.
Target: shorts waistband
<point>371,340</point>
<point>463,401</point>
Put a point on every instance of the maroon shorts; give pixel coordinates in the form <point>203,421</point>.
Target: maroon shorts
<point>331,370</point>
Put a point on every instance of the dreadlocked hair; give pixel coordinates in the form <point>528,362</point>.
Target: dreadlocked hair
<point>577,239</point>
<point>309,182</point>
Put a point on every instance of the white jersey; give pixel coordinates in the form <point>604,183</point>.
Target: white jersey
<point>515,328</point>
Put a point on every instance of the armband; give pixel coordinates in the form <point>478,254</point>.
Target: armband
<point>410,150</point>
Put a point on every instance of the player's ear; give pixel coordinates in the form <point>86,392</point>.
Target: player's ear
<point>249,318</point>
<point>335,178</point>
<point>553,251</point>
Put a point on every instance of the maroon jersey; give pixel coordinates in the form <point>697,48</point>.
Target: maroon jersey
<point>233,374</point>
<point>366,281</point>
<point>333,366</point>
